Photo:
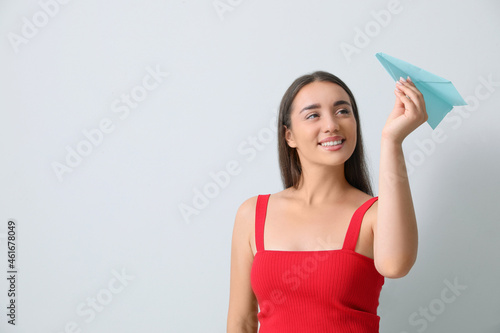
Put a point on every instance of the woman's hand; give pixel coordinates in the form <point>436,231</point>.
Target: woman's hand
<point>408,113</point>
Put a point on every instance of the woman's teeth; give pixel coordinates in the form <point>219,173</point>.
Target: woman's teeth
<point>332,143</point>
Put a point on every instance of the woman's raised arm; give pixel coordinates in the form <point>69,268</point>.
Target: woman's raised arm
<point>395,230</point>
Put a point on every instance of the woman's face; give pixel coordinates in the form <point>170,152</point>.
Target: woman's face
<point>321,110</point>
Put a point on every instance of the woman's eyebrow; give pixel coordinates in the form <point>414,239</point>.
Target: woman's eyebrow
<point>309,107</point>
<point>316,105</point>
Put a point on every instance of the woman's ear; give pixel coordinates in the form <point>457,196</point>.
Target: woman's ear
<point>289,138</point>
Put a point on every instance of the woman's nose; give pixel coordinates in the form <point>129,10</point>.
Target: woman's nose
<point>330,123</point>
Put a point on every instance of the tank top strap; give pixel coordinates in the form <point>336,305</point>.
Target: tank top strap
<point>354,226</point>
<point>260,217</point>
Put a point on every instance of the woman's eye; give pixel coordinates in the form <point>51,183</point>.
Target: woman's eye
<point>315,114</point>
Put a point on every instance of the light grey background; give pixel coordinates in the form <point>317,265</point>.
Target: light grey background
<point>130,206</point>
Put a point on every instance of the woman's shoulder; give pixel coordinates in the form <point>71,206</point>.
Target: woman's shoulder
<point>243,224</point>
<point>248,207</point>
<point>359,197</point>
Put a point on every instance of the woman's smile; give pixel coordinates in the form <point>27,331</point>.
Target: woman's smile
<point>332,143</point>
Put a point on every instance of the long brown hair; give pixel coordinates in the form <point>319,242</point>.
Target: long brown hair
<point>355,168</point>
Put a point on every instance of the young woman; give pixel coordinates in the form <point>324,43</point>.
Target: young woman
<point>314,256</point>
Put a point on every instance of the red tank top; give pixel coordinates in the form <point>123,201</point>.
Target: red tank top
<point>315,291</point>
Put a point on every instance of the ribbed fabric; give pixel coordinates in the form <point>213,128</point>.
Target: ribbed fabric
<point>315,291</point>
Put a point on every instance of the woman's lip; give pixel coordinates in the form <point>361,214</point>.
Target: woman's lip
<point>332,148</point>
<point>332,138</point>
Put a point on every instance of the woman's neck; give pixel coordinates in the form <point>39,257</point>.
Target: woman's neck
<point>321,186</point>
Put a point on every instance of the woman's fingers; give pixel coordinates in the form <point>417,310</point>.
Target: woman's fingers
<point>408,83</point>
<point>410,90</point>
<point>414,99</point>
<point>408,101</point>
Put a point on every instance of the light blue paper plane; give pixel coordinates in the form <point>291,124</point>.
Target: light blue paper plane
<point>440,95</point>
